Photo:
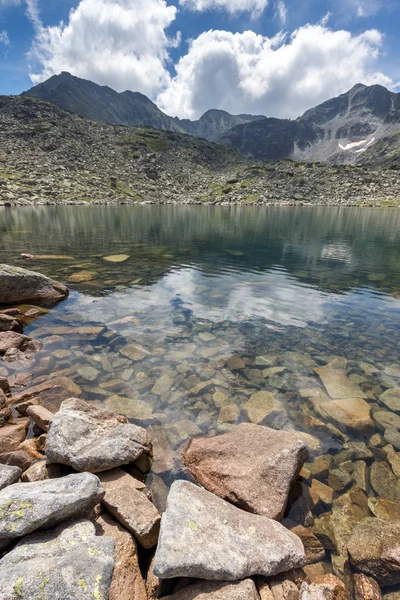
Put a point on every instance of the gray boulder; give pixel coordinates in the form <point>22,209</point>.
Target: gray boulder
<point>88,438</point>
<point>8,475</point>
<point>25,507</point>
<point>19,285</point>
<point>69,562</point>
<point>211,590</point>
<point>205,537</point>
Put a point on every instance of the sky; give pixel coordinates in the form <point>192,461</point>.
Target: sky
<point>271,57</point>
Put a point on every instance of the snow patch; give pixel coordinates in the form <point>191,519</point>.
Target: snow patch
<point>352,145</point>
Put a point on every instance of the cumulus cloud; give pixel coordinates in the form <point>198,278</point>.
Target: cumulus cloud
<point>255,7</point>
<point>281,76</point>
<point>120,43</point>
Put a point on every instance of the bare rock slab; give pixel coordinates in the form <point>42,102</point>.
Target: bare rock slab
<point>252,467</point>
<point>208,590</point>
<point>8,475</point>
<point>20,285</point>
<point>374,549</point>
<point>92,439</point>
<point>63,563</point>
<point>126,500</point>
<point>25,507</point>
<point>205,537</point>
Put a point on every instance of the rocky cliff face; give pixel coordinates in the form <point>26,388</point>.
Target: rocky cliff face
<point>343,130</point>
<point>101,103</point>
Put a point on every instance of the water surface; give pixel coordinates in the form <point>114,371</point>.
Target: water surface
<point>280,288</point>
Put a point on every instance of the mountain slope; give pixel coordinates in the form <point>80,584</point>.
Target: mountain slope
<point>342,130</point>
<point>50,156</point>
<point>101,103</point>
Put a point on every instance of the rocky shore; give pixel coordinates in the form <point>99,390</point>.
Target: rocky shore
<point>259,511</point>
<point>49,156</point>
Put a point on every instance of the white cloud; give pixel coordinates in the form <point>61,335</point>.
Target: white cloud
<point>255,7</point>
<point>4,39</point>
<point>120,43</point>
<point>282,76</point>
<point>33,13</point>
<point>281,11</point>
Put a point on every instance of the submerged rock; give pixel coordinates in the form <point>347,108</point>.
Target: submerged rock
<point>374,549</point>
<point>391,399</point>
<point>25,507</point>
<point>208,590</point>
<point>67,562</point>
<point>263,408</point>
<point>252,467</point>
<point>205,537</point>
<point>338,385</point>
<point>88,438</point>
<point>19,285</point>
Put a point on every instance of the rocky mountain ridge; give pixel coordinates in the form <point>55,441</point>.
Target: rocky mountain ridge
<point>101,103</point>
<point>361,126</point>
<point>343,130</point>
<point>49,156</point>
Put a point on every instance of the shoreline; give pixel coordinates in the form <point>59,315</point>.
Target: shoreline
<point>97,203</point>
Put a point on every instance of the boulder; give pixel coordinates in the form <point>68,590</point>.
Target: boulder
<point>208,590</point>
<point>41,470</point>
<point>12,435</point>
<point>366,588</point>
<point>383,480</point>
<point>374,549</point>
<point>4,385</point>
<point>25,507</point>
<point>205,537</point>
<point>20,285</point>
<point>51,392</point>
<point>284,590</point>
<point>263,408</point>
<point>126,500</point>
<point>92,439</point>
<point>69,561</point>
<point>252,467</point>
<point>5,415</point>
<point>127,581</point>
<point>8,475</point>
<point>8,323</point>
<point>10,340</point>
<point>18,458</point>
<point>40,416</point>
<point>316,591</point>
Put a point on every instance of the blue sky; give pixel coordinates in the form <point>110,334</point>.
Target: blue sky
<point>276,57</point>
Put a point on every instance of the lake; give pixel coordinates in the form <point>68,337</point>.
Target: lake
<point>204,317</point>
